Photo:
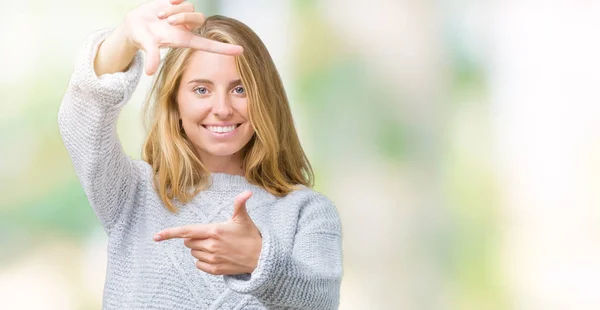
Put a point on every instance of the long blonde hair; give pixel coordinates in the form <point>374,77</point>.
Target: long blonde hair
<point>274,158</point>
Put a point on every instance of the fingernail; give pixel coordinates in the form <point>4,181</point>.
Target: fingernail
<point>161,14</point>
<point>171,20</point>
<point>156,237</point>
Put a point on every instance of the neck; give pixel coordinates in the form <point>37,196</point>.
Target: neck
<point>230,164</point>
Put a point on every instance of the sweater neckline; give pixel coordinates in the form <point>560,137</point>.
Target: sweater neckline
<point>224,180</point>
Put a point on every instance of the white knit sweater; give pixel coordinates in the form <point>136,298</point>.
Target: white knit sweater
<point>300,264</point>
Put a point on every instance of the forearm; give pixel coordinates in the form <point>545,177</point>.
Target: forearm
<point>115,53</point>
<point>87,121</point>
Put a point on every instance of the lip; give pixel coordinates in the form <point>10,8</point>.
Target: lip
<point>223,135</point>
<point>222,124</point>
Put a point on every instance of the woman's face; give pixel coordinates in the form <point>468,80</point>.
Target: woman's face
<point>213,106</point>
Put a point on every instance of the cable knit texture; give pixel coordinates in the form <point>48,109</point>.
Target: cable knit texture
<point>300,264</point>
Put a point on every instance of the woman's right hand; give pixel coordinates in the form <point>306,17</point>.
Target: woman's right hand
<point>156,24</point>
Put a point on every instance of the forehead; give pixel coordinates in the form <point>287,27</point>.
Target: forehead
<point>211,66</point>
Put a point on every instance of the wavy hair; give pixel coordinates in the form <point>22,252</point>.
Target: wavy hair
<point>273,158</point>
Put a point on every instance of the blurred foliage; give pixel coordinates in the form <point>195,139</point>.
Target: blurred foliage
<point>344,104</point>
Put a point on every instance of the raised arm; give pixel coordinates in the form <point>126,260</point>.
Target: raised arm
<point>107,71</point>
<point>87,121</point>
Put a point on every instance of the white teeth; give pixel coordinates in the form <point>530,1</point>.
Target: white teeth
<point>220,129</point>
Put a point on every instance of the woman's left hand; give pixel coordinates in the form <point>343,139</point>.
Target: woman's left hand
<point>227,248</point>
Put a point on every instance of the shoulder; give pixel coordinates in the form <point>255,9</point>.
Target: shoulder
<point>306,197</point>
<point>143,169</point>
<point>315,210</point>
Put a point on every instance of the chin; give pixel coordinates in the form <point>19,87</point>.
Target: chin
<point>222,151</point>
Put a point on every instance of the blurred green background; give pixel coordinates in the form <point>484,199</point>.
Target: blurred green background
<point>458,139</point>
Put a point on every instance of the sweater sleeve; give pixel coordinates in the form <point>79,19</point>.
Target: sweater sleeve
<point>308,276</point>
<point>87,120</point>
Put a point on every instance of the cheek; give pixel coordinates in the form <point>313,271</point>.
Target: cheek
<point>242,109</point>
<point>241,106</point>
<point>193,111</point>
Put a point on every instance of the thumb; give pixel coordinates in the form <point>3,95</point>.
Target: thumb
<point>152,58</point>
<point>239,206</point>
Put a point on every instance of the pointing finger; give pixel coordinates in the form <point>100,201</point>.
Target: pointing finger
<point>200,231</point>
<point>191,40</point>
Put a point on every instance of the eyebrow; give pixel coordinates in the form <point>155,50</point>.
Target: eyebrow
<point>206,81</point>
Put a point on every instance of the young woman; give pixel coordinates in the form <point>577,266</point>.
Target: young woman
<point>183,230</point>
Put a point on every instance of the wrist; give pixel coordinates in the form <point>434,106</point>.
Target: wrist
<point>121,38</point>
<point>257,251</point>
<point>115,53</point>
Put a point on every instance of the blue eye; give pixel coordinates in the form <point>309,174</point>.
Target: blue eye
<point>239,90</point>
<point>200,90</point>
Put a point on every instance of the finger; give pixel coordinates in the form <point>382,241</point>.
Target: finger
<point>208,245</point>
<point>152,58</point>
<point>190,40</point>
<point>199,231</point>
<point>209,268</point>
<point>239,206</point>
<point>174,9</point>
<point>150,47</point>
<point>191,20</point>
<point>209,258</point>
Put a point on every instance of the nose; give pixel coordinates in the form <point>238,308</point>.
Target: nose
<point>222,107</point>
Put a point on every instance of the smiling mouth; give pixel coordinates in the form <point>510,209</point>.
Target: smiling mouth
<point>222,129</point>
